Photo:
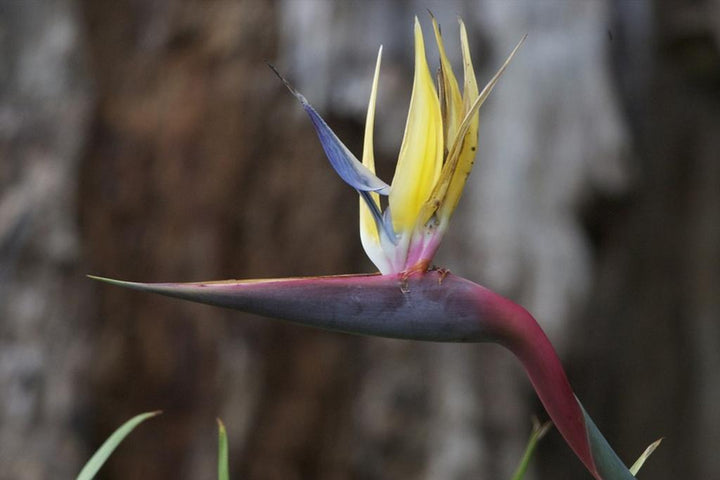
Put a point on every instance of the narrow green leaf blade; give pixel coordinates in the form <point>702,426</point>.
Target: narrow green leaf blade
<point>223,464</point>
<point>101,455</point>
<point>641,461</point>
<point>538,432</point>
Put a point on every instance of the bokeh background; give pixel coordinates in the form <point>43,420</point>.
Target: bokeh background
<point>148,140</point>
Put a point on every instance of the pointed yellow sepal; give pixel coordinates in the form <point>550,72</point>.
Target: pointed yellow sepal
<point>461,152</point>
<point>468,145</point>
<point>451,102</point>
<point>369,235</point>
<point>421,152</point>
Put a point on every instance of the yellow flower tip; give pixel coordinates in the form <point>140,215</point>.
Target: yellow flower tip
<point>369,234</point>
<point>368,158</point>
<point>461,152</point>
<point>450,98</point>
<point>464,144</point>
<point>421,152</point>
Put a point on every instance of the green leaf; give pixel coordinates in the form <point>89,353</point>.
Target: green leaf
<point>101,455</point>
<point>223,467</point>
<point>538,432</point>
<point>648,451</point>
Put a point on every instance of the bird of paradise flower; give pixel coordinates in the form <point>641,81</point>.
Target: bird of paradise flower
<point>409,298</point>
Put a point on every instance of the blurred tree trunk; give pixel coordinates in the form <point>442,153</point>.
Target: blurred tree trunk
<point>653,326</point>
<point>44,301</point>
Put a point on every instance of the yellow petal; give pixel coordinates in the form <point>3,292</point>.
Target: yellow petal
<point>451,102</point>
<point>368,228</point>
<point>468,145</point>
<point>420,158</point>
<point>461,154</point>
<point>369,235</point>
<point>465,145</point>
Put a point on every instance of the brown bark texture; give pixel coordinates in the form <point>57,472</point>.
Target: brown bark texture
<point>148,140</point>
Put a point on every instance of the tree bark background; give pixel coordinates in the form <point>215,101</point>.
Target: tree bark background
<point>45,312</point>
<point>148,140</point>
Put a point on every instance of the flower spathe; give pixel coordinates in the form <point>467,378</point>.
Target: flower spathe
<point>408,299</point>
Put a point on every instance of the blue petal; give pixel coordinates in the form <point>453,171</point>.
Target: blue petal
<point>383,222</point>
<point>343,161</point>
